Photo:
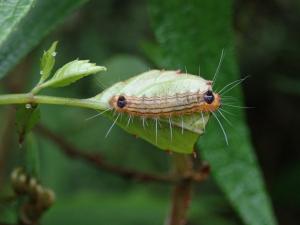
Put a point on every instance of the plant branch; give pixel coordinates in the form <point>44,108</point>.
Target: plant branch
<point>29,98</point>
<point>98,161</point>
<point>6,137</point>
<point>182,191</point>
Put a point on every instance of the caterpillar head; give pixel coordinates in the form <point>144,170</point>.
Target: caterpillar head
<point>118,102</point>
<point>212,101</point>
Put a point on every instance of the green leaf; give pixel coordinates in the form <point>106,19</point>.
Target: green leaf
<point>11,12</point>
<point>193,34</point>
<point>26,118</point>
<point>41,19</point>
<point>71,72</point>
<point>159,83</point>
<point>47,62</point>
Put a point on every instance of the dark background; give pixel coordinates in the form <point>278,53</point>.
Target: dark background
<point>268,46</point>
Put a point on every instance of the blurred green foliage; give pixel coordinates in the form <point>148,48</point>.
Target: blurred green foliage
<point>234,167</point>
<point>26,34</point>
<point>12,13</point>
<point>117,34</point>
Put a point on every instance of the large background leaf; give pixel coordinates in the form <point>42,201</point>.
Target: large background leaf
<point>11,12</point>
<point>41,19</point>
<point>234,167</point>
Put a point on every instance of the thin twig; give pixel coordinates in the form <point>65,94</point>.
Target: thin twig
<point>182,191</point>
<point>6,138</point>
<point>15,84</point>
<point>98,161</point>
<point>182,179</point>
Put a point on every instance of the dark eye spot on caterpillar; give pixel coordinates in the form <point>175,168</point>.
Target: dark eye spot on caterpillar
<point>121,103</point>
<point>209,97</point>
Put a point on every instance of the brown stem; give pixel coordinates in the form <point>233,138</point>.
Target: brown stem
<point>6,138</point>
<point>13,83</point>
<point>98,161</point>
<point>183,176</point>
<point>182,190</point>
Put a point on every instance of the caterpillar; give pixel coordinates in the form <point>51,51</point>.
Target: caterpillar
<point>169,96</point>
<point>159,105</point>
<point>167,106</point>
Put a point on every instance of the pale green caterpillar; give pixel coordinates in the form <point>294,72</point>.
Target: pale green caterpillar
<point>169,109</point>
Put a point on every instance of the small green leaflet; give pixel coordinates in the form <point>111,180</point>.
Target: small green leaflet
<point>71,72</point>
<point>47,62</point>
<point>183,132</point>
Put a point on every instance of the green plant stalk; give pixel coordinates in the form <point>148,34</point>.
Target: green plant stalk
<point>29,98</point>
<point>37,88</point>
